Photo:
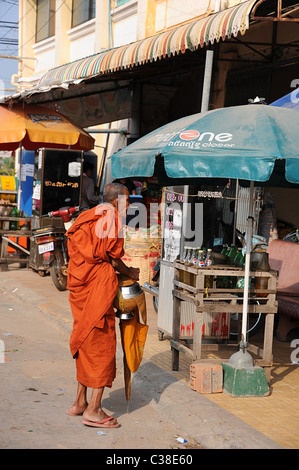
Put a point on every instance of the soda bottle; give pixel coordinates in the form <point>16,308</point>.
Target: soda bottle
<point>192,262</point>
<point>209,280</point>
<point>183,260</point>
<point>187,262</point>
<point>208,260</point>
<point>200,259</point>
<point>184,255</point>
<point>194,256</point>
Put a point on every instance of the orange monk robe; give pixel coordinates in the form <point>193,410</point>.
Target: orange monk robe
<point>95,236</point>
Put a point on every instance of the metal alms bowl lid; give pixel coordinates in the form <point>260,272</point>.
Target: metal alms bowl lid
<point>133,290</point>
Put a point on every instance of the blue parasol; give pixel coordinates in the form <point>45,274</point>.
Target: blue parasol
<point>240,142</point>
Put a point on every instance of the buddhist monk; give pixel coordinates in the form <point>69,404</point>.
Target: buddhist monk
<point>95,247</point>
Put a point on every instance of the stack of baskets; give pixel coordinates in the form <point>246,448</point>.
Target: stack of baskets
<point>142,250</point>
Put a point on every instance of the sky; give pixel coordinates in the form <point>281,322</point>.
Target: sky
<point>9,12</point>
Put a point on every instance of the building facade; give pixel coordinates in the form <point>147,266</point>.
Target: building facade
<point>129,66</point>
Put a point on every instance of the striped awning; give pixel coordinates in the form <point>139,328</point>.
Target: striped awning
<point>191,36</point>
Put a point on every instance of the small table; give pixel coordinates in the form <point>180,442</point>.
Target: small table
<point>6,240</point>
<point>221,300</point>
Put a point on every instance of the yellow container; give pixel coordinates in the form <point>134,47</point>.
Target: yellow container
<point>8,183</point>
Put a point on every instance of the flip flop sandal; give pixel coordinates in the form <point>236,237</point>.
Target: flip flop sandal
<point>101,424</point>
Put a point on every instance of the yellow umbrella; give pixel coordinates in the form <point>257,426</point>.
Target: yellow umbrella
<point>33,127</point>
<point>133,332</point>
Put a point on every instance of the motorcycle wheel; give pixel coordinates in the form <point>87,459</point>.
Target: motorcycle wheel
<point>59,280</point>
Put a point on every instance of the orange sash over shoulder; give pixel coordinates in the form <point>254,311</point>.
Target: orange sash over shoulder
<point>95,236</point>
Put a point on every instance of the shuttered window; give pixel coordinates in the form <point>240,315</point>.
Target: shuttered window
<point>45,19</point>
<point>83,10</point>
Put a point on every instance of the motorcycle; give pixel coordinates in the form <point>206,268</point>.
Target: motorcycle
<point>52,245</point>
<point>292,236</point>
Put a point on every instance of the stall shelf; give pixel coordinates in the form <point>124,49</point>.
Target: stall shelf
<point>214,299</point>
<point>6,240</point>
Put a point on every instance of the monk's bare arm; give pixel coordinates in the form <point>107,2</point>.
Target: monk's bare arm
<point>122,268</point>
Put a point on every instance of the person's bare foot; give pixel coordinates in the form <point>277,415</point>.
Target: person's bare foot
<point>76,410</point>
<point>100,416</point>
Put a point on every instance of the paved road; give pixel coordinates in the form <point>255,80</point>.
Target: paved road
<point>37,385</point>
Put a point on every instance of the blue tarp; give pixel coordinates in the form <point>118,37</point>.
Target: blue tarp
<point>291,100</point>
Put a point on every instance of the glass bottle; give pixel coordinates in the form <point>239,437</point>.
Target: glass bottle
<point>262,282</point>
<point>194,256</point>
<point>187,262</point>
<point>182,260</point>
<point>193,263</point>
<point>184,255</point>
<point>238,257</point>
<point>231,254</point>
<point>209,280</point>
<point>208,260</point>
<point>200,259</point>
<point>224,250</point>
<point>14,224</point>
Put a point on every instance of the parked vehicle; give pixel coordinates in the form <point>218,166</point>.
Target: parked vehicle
<point>292,236</point>
<point>51,254</point>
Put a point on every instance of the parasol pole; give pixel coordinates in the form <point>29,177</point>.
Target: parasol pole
<point>243,344</point>
<point>19,178</point>
<point>242,358</point>
<point>240,377</point>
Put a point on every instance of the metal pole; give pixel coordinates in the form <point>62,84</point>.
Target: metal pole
<point>247,268</point>
<point>207,81</point>
<point>19,178</point>
<point>106,131</point>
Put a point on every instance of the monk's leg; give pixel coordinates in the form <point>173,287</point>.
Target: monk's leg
<point>80,404</point>
<point>94,410</point>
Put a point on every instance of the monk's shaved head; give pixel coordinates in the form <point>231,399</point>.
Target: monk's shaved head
<point>112,191</point>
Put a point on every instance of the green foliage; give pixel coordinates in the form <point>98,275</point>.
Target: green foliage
<point>7,166</point>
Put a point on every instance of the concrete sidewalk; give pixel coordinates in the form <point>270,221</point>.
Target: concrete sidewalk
<point>215,421</point>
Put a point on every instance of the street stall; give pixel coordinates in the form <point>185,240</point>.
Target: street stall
<point>14,228</point>
<point>253,143</point>
<point>34,127</point>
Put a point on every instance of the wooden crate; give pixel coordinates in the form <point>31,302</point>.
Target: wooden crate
<point>218,300</point>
